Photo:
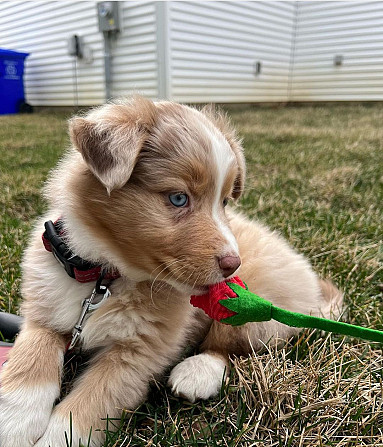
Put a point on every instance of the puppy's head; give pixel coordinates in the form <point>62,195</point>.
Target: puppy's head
<point>155,185</point>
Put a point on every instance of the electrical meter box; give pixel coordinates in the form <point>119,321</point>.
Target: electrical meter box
<point>108,16</point>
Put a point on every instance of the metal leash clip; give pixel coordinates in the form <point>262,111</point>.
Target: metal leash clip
<point>89,305</point>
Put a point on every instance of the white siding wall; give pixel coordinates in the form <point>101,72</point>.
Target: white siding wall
<point>200,51</point>
<point>351,29</point>
<point>214,46</point>
<point>42,29</point>
<point>134,63</point>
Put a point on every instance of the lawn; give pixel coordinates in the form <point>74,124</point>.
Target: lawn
<point>315,174</point>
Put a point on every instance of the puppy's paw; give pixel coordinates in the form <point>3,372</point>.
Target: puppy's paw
<point>198,377</point>
<point>62,431</point>
<point>25,413</point>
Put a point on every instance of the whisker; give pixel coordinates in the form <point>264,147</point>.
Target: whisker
<point>176,273</point>
<point>166,266</point>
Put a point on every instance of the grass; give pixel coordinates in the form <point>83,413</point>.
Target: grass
<point>315,175</point>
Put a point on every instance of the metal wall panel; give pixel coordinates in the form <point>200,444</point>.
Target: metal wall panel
<point>353,30</point>
<point>214,47</point>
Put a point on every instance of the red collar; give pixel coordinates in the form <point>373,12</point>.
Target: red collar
<point>81,270</point>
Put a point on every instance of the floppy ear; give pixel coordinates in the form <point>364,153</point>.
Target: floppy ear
<point>110,138</point>
<point>222,122</point>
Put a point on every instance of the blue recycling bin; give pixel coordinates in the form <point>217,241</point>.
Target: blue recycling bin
<point>12,99</point>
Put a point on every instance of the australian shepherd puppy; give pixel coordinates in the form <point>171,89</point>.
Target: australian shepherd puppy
<point>143,192</point>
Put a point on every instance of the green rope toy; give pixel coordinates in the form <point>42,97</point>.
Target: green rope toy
<point>232,303</point>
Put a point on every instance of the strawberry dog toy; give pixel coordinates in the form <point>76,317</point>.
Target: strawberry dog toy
<point>232,303</point>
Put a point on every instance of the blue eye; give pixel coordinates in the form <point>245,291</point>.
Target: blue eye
<point>179,199</point>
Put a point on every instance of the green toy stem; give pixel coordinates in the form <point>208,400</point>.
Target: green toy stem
<point>300,320</point>
<point>249,307</point>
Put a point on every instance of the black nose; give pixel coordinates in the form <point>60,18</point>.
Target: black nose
<point>229,264</point>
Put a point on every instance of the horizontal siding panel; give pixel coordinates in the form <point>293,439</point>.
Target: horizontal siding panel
<point>65,97</point>
<point>43,53</point>
<point>134,41</point>
<point>203,96</point>
<point>342,77</point>
<point>230,76</point>
<point>66,70</point>
<point>146,51</point>
<point>57,82</point>
<point>129,61</point>
<point>280,10</point>
<point>133,85</point>
<point>137,22</point>
<point>61,26</point>
<point>58,17</point>
<point>359,85</point>
<point>334,97</point>
<point>58,41</point>
<point>353,30</point>
<point>185,50</point>
<point>368,64</point>
<point>207,86</point>
<point>14,8</point>
<point>215,45</point>
<point>55,64</point>
<point>227,70</point>
<point>146,92</point>
<point>238,24</point>
<point>144,30</point>
<point>315,12</point>
<point>252,90</point>
<point>61,34</point>
<point>138,8</point>
<point>135,60</point>
<point>272,12</point>
<point>146,69</point>
<point>63,89</point>
<point>354,58</point>
<point>326,95</point>
<point>350,26</point>
<point>231,43</point>
<point>229,39</point>
<point>352,43</point>
<point>49,102</point>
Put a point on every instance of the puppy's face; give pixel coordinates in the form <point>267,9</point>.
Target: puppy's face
<point>157,181</point>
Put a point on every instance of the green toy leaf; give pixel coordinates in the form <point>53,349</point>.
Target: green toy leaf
<point>248,306</point>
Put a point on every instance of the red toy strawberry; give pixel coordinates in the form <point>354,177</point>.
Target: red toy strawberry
<point>209,302</point>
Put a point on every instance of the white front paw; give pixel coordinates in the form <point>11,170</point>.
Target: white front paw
<point>198,377</point>
<point>63,432</point>
<point>25,413</point>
